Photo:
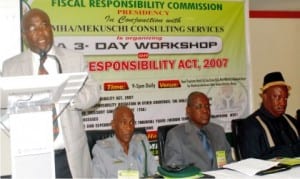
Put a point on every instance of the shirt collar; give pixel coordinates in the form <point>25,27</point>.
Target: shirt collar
<point>118,148</point>
<point>37,56</point>
<point>50,65</point>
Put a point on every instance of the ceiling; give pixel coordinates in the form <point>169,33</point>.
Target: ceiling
<point>275,5</point>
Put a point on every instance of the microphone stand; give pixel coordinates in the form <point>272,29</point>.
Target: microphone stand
<point>57,61</point>
<point>146,160</point>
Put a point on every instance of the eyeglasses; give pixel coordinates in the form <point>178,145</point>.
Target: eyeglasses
<point>200,106</point>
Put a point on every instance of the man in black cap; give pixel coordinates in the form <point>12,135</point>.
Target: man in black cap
<point>269,132</point>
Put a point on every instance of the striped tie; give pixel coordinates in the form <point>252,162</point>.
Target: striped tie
<point>55,123</point>
<point>43,71</point>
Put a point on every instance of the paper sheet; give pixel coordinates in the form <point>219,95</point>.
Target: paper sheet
<point>251,166</point>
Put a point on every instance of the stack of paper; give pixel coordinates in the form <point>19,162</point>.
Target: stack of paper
<point>251,166</point>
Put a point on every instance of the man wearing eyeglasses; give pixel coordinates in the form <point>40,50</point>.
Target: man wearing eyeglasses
<point>198,141</point>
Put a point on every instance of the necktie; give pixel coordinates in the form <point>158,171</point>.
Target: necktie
<point>206,145</point>
<point>43,71</point>
<point>55,122</point>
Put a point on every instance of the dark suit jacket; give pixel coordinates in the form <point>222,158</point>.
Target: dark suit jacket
<point>71,120</point>
<point>183,146</point>
<point>255,143</point>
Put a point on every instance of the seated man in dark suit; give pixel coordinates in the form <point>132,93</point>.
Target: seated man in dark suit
<point>198,141</point>
<point>298,114</point>
<point>269,132</point>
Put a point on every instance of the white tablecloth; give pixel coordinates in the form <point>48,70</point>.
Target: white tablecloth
<point>292,173</point>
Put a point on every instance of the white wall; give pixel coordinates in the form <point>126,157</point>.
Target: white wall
<point>10,45</point>
<point>275,46</point>
<point>10,29</point>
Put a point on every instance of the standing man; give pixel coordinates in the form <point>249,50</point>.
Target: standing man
<point>72,158</point>
<point>125,152</point>
<point>197,141</point>
<point>269,132</point>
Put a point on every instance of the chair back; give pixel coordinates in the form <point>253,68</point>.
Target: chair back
<point>162,132</point>
<point>94,135</point>
<point>237,125</point>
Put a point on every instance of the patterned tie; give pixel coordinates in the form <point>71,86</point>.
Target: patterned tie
<point>55,122</point>
<point>206,145</point>
<point>43,71</point>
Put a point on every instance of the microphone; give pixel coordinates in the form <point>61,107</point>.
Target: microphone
<point>138,137</point>
<point>44,54</point>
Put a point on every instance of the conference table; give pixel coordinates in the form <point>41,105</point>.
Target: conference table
<point>292,173</point>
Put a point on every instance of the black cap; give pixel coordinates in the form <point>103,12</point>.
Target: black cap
<point>274,79</point>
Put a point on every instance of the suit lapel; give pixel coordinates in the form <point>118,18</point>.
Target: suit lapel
<point>194,138</point>
<point>25,63</point>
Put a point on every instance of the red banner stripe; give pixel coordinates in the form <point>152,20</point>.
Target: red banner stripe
<point>274,14</point>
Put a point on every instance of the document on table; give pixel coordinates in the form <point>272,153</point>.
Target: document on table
<point>251,166</point>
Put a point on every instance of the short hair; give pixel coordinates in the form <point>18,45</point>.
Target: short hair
<point>191,96</point>
<point>32,11</point>
<point>120,107</point>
